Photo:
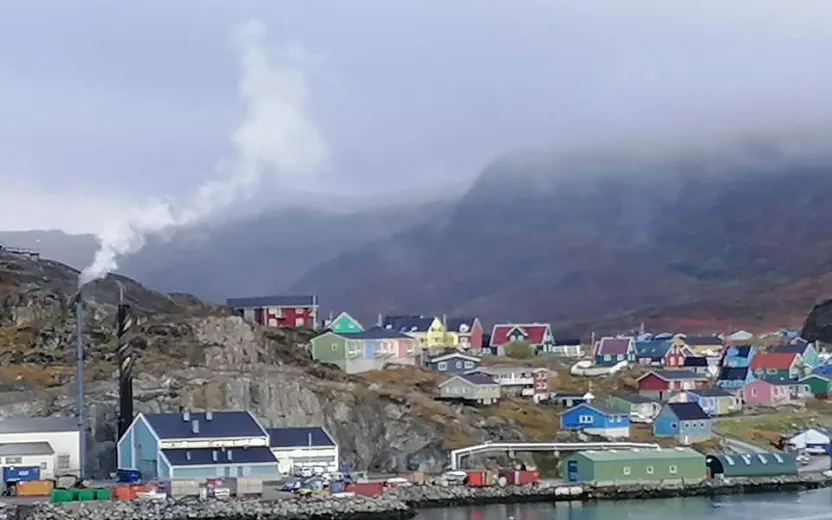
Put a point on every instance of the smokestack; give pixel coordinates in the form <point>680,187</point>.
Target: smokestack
<point>79,362</point>
<point>195,426</point>
<point>125,368</point>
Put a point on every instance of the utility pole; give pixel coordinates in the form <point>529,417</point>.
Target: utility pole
<point>79,377</point>
<point>124,321</point>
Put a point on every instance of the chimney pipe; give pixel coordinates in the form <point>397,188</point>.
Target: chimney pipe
<point>209,415</point>
<point>186,416</point>
<point>124,321</point>
<point>195,426</point>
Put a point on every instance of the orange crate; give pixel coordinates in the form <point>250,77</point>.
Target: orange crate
<point>34,488</point>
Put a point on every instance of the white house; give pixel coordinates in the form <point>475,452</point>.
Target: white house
<point>740,335</point>
<point>304,448</point>
<point>812,440</point>
<point>26,441</point>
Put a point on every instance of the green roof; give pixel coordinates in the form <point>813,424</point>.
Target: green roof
<point>754,464</point>
<point>642,454</point>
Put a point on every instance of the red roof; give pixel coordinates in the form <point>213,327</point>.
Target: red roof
<point>772,361</point>
<point>613,346</point>
<point>535,332</point>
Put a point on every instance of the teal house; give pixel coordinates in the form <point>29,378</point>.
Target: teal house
<point>808,353</point>
<point>344,324</point>
<point>191,445</point>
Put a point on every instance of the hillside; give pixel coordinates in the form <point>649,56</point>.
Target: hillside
<point>200,356</point>
<point>715,237</point>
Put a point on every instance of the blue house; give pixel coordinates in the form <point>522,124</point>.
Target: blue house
<point>734,378</point>
<point>596,419</point>
<point>197,445</point>
<point>738,356</point>
<point>824,370</point>
<point>686,422</point>
<point>453,363</point>
<point>651,352</point>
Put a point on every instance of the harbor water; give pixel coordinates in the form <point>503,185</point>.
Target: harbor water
<point>809,505</point>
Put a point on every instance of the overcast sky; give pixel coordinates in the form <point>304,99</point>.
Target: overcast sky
<point>104,103</point>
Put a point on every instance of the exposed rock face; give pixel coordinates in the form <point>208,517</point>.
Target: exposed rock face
<point>202,357</point>
<point>818,324</point>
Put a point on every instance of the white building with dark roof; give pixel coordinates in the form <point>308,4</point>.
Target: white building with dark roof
<point>304,447</point>
<point>51,443</point>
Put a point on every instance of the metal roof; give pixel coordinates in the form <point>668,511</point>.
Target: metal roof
<point>733,373</point>
<point>603,409</point>
<point>694,361</point>
<point>636,399</point>
<point>753,464</point>
<point>221,425</point>
<point>299,437</point>
<point>26,448</point>
<point>38,424</point>
<point>637,454</point>
<point>206,456</point>
<point>377,333</point>
<point>476,378</point>
<point>688,411</point>
<point>306,300</point>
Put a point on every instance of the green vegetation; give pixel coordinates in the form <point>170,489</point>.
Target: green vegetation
<point>519,350</point>
<point>764,430</point>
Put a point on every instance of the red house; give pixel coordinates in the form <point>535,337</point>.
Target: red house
<point>660,384</point>
<point>468,330</point>
<point>675,357</point>
<point>538,335</point>
<point>285,312</point>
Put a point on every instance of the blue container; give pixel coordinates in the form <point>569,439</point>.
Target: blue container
<point>336,487</point>
<point>21,474</point>
<point>128,476</point>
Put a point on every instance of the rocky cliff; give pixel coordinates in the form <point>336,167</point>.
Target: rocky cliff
<point>202,357</point>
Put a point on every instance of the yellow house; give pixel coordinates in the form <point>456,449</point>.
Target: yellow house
<point>428,331</point>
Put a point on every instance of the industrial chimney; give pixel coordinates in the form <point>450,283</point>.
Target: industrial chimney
<point>124,321</point>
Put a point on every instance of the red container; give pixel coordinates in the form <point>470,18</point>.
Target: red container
<point>521,478</point>
<point>477,479</point>
<point>366,489</point>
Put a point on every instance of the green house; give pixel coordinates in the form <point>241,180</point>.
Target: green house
<point>634,466</point>
<point>818,385</point>
<point>345,324</point>
<point>772,464</point>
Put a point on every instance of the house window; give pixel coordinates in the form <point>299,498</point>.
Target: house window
<point>299,322</point>
<point>14,460</point>
<point>753,392</point>
<point>459,364</point>
<point>607,357</point>
<point>626,470</point>
<point>469,364</point>
<point>442,366</point>
<point>672,470</point>
<point>674,425</point>
<point>63,461</point>
<point>649,470</point>
<point>585,419</point>
<point>335,346</point>
<point>620,357</point>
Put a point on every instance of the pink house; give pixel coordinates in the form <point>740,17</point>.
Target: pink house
<point>765,393</point>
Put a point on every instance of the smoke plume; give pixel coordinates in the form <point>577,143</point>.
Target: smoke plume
<point>276,140</point>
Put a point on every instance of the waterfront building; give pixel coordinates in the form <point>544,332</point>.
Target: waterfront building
<point>634,466</point>
<point>596,419</point>
<point>197,445</point>
<point>722,465</point>
<point>52,444</point>
<point>311,447</point>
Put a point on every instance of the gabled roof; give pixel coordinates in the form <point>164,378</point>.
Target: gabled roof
<point>702,341</point>
<point>695,361</point>
<point>306,300</point>
<point>377,333</point>
<point>712,392</point>
<point>567,342</point>
<point>456,324</point>
<point>654,349</point>
<point>609,346</point>
<point>635,399</point>
<point>733,373</point>
<point>601,408</point>
<point>816,376</point>
<point>314,436</point>
<point>38,424</point>
<point>17,449</point>
<point>772,361</point>
<point>348,317</point>
<point>534,333</point>
<point>738,351</point>
<point>221,425</point>
<point>798,348</point>
<point>408,323</point>
<point>224,457</point>
<point>687,411</point>
<point>674,375</point>
<point>474,378</point>
<point>453,355</point>
<point>754,464</point>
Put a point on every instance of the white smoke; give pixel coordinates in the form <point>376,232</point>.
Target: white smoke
<point>275,140</point>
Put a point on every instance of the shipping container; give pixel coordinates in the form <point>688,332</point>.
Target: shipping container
<point>34,488</point>
<point>521,478</point>
<point>21,474</point>
<point>477,479</point>
<point>124,493</point>
<point>86,495</point>
<point>61,496</point>
<point>366,489</point>
<point>103,494</point>
<point>128,476</point>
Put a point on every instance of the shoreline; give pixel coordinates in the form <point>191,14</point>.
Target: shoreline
<point>405,502</point>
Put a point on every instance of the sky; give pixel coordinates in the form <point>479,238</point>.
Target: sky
<point>105,104</point>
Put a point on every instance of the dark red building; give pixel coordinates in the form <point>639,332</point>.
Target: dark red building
<point>285,312</point>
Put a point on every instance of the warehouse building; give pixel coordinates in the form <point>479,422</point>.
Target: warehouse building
<point>191,445</point>
<point>304,448</point>
<point>751,465</point>
<point>634,466</point>
<point>50,443</point>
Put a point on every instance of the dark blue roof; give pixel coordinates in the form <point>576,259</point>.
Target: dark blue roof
<point>222,424</point>
<point>740,351</point>
<point>694,361</point>
<point>477,379</point>
<point>655,349</point>
<point>378,333</point>
<point>687,411</point>
<point>205,456</point>
<point>712,392</point>
<point>273,301</point>
<point>407,323</point>
<point>733,373</point>
<point>297,437</point>
<point>454,324</point>
<point>790,349</point>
